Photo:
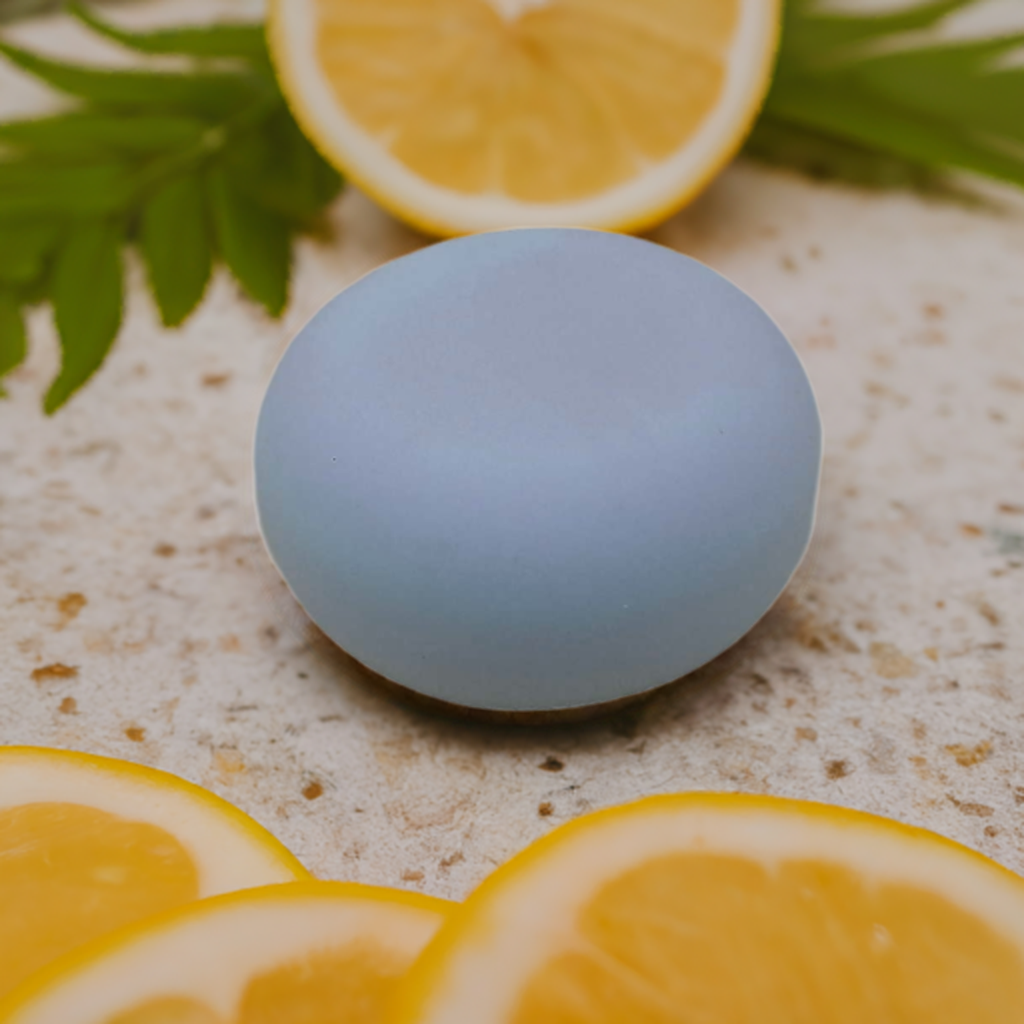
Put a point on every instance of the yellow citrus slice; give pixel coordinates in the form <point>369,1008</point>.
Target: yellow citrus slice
<point>305,953</point>
<point>88,844</point>
<point>467,115</point>
<point>707,909</point>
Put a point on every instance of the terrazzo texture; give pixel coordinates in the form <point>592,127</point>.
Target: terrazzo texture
<point>140,618</point>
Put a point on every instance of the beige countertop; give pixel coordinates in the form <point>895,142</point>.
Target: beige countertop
<point>140,617</point>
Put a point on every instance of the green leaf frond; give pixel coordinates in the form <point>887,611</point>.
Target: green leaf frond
<point>190,166</point>
<point>880,98</point>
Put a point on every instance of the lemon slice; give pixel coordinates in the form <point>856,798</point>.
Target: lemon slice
<point>700,909</point>
<point>467,115</point>
<point>88,844</point>
<point>305,953</point>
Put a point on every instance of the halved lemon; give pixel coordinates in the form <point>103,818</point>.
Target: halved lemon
<point>88,844</point>
<point>707,909</point>
<point>305,953</point>
<point>468,115</point>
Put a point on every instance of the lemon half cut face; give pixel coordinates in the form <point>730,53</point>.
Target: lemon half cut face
<point>466,115</point>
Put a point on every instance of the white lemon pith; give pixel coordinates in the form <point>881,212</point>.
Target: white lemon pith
<point>89,844</point>
<point>705,908</point>
<point>303,953</point>
<point>467,115</point>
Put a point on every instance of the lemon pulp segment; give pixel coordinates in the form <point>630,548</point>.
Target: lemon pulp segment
<point>352,985</point>
<point>562,101</point>
<point>69,873</point>
<point>706,938</point>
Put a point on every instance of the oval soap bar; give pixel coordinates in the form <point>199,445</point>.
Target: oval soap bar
<point>538,469</point>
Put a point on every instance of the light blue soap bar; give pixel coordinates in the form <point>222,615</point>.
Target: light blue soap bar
<point>538,469</point>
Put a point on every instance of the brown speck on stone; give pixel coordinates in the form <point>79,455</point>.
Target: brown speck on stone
<point>931,653</point>
<point>790,701</point>
<point>412,876</point>
<point>215,380</point>
<point>189,647</point>
<point>228,762</point>
<point>940,604</point>
<point>1010,508</point>
<point>68,706</point>
<point>815,635</point>
<point>933,311</point>
<point>876,389</point>
<point>164,550</point>
<point>451,860</point>
<point>313,790</point>
<point>855,722</point>
<point>970,530</point>
<point>135,733</point>
<point>865,626</point>
<point>890,663</point>
<point>974,810</point>
<point>987,612</point>
<point>546,809</point>
<point>991,831</point>
<point>920,730</point>
<point>1018,795</point>
<point>804,732</point>
<point>551,764</point>
<point>205,512</point>
<point>837,769</point>
<point>69,606</point>
<point>57,670</point>
<point>229,643</point>
<point>966,756</point>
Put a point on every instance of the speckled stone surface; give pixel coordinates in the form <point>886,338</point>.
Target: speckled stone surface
<point>140,617</point>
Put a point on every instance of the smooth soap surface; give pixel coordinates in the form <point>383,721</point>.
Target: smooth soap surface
<point>538,469</point>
